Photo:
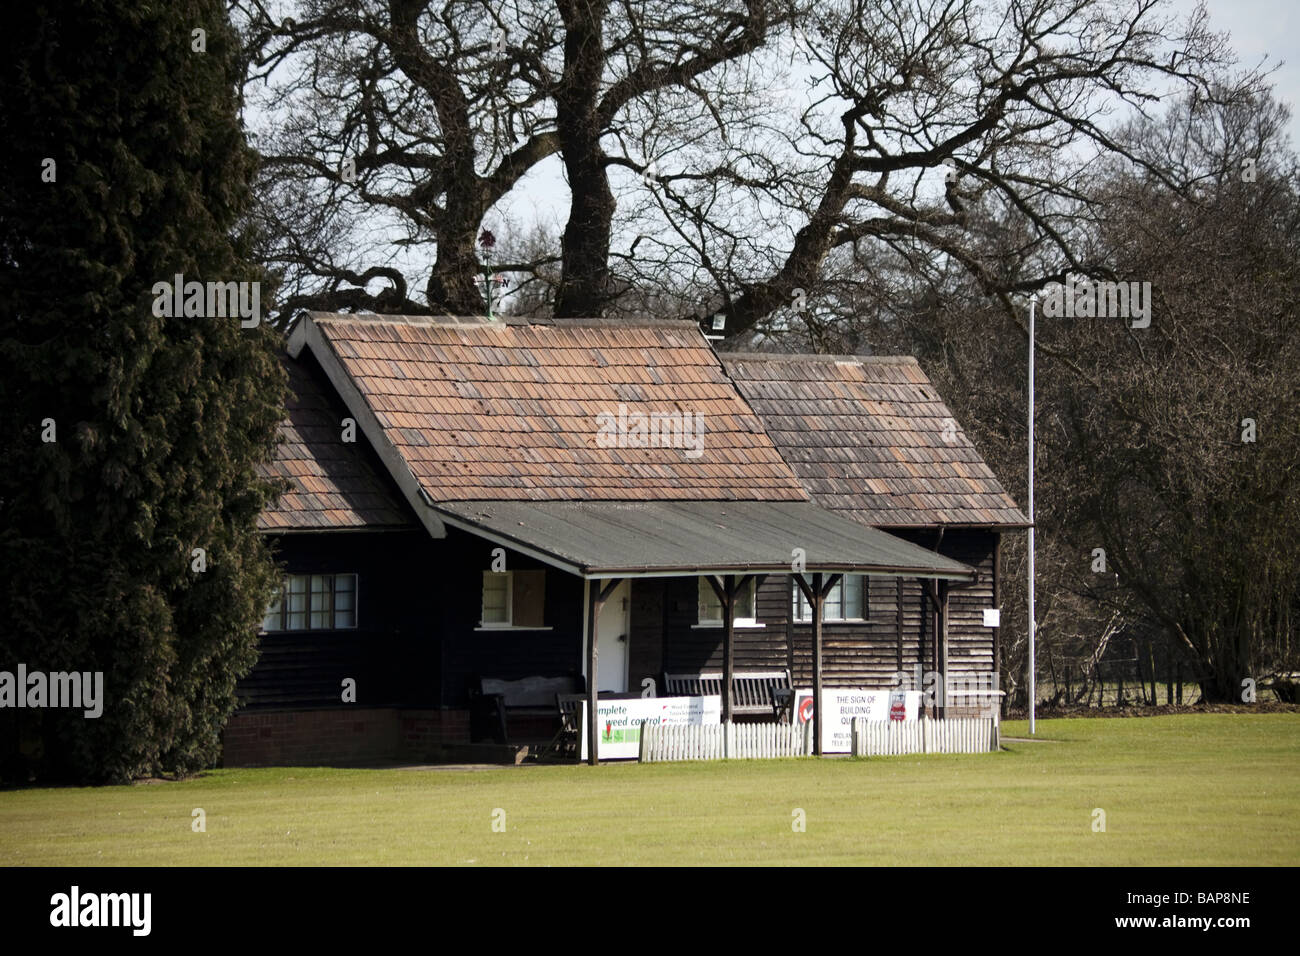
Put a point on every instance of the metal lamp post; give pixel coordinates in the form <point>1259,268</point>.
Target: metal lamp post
<point>1033,302</point>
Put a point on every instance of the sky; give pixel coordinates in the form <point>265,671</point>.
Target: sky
<point>1262,28</point>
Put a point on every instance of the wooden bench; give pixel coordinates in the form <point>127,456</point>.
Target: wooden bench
<point>494,701</point>
<point>752,692</point>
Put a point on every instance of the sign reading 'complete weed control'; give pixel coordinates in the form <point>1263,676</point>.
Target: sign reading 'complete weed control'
<point>619,721</point>
<point>841,705</point>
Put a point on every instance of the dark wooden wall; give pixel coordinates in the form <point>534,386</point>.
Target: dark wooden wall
<point>419,603</point>
<point>468,654</point>
<point>970,643</point>
<point>415,644</point>
<point>855,655</point>
<point>393,652</point>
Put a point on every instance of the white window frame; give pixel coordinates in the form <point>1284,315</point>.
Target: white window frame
<point>282,592</point>
<point>747,622</point>
<point>509,623</point>
<point>797,599</point>
<point>510,602</point>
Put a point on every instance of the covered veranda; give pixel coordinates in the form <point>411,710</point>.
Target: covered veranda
<point>729,543</point>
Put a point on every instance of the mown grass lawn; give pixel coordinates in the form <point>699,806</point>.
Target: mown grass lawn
<point>1179,790</point>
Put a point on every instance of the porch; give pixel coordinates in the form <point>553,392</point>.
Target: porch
<point>682,586</point>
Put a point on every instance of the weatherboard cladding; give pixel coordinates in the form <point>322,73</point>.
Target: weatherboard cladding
<point>332,484</point>
<point>869,436</point>
<point>509,411</point>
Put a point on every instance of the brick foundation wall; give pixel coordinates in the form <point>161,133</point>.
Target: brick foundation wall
<point>339,736</point>
<point>423,732</point>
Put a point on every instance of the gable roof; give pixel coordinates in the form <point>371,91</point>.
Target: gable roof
<point>334,486</point>
<point>479,410</point>
<point>869,436</point>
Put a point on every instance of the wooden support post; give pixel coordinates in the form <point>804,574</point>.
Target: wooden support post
<point>815,594</point>
<point>728,647</point>
<point>596,597</point>
<point>727,590</point>
<point>942,635</point>
<point>817,663</point>
<point>939,646</point>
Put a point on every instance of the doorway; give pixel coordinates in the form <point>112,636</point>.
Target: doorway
<point>612,633</point>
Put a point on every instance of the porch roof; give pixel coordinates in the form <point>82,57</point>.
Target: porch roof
<point>611,539</point>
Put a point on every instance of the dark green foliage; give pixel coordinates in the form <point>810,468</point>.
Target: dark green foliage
<point>160,421</point>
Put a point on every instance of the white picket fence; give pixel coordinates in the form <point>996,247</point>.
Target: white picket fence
<point>952,735</point>
<point>871,738</point>
<point>660,743</point>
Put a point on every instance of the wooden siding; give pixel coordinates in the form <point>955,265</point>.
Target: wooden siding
<point>392,653</point>
<point>855,654</point>
<point>508,654</point>
<point>416,644</point>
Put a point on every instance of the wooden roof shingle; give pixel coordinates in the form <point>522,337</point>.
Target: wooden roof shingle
<point>870,436</point>
<point>513,410</point>
<point>334,486</point>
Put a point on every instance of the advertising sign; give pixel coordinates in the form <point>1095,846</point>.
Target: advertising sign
<point>841,705</point>
<point>619,721</point>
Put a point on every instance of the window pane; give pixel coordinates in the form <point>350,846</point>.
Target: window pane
<point>271,622</point>
<point>745,604</point>
<point>322,616</point>
<point>802,612</point>
<point>297,617</point>
<point>495,597</point>
<point>527,606</point>
<point>853,596</point>
<point>710,607</point>
<point>345,596</point>
<point>833,607</point>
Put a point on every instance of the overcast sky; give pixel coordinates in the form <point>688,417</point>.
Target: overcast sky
<point>1259,29</point>
<point>1262,28</point>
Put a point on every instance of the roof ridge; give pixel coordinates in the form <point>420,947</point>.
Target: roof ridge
<point>512,320</point>
<point>817,357</point>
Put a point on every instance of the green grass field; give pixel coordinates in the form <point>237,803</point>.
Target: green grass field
<point>1178,790</point>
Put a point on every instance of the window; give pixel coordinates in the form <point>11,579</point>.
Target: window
<point>844,603</point>
<point>710,609</point>
<point>317,602</point>
<point>513,598</point>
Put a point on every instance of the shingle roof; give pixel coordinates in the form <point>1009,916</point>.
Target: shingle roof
<point>511,410</point>
<point>870,436</point>
<point>334,486</point>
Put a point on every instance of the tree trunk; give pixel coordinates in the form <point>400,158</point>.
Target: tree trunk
<point>584,277</point>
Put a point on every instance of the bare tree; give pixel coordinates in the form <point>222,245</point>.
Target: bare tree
<point>392,127</point>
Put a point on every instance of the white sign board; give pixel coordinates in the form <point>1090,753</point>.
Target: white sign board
<point>992,617</point>
<point>841,705</point>
<point>618,722</point>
